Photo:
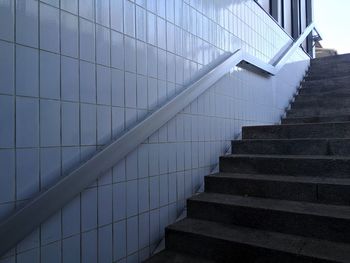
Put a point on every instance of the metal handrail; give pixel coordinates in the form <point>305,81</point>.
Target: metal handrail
<point>40,208</point>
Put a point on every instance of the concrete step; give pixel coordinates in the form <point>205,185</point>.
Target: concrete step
<point>329,67</point>
<point>168,256</point>
<point>329,103</point>
<point>229,243</point>
<point>331,60</point>
<point>292,146</point>
<point>324,74</point>
<point>312,112</point>
<point>324,90</point>
<point>319,119</point>
<point>308,189</point>
<point>298,131</point>
<point>332,95</point>
<point>328,222</point>
<point>293,165</point>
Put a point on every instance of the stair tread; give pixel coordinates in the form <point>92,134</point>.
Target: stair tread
<point>316,248</point>
<point>169,256</point>
<point>300,124</point>
<point>292,140</point>
<point>299,207</point>
<point>285,178</point>
<point>277,156</point>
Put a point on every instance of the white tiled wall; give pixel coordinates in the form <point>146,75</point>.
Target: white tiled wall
<point>75,74</point>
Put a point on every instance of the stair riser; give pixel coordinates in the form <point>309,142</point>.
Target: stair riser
<point>312,112</point>
<point>329,61</point>
<point>328,91</point>
<point>227,251</point>
<point>319,75</point>
<point>336,168</point>
<point>328,68</point>
<point>321,105</point>
<point>292,147</point>
<point>307,225</point>
<point>293,191</point>
<point>327,130</point>
<point>290,120</point>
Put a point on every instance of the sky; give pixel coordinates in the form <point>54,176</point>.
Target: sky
<point>332,19</point>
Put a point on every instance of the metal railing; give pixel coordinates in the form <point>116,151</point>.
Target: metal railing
<point>46,203</point>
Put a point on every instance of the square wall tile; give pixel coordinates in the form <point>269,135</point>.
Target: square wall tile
<point>141,50</point>
<point>129,18</point>
<point>87,40</point>
<point>27,122</point>
<point>49,28</point>
<point>104,124</point>
<point>7,63</point>
<point>49,75</point>
<point>27,71</point>
<point>119,201</point>
<point>70,124</point>
<point>161,33</point>
<point>88,124</point>
<point>154,227</point>
<point>132,235</point>
<point>87,82</point>
<point>70,6</point>
<point>152,61</point>
<point>7,118</point>
<point>117,50</point>
<point>50,123</point>
<point>154,192</point>
<point>143,192</point>
<point>103,85</point>
<point>71,249</point>
<point>27,19</point>
<point>119,240</point>
<point>50,166</point>
<point>142,102</point>
<point>51,229</point>
<point>102,12</point>
<point>118,121</point>
<point>105,207</point>
<point>117,18</point>
<point>89,246</point>
<point>69,34</point>
<point>130,90</point>
<point>163,192</point>
<point>69,79</point>
<point>132,199</point>
<point>29,256</point>
<point>89,209</point>
<point>118,88</point>
<point>130,54</point>
<point>7,171</point>
<point>142,161</point>
<point>161,59</point>
<point>141,25</point>
<point>103,45</point>
<point>105,242</point>
<point>144,230</point>
<point>151,28</point>
<point>87,9</point>
<point>70,159</point>
<point>71,218</point>
<point>27,178</point>
<point>7,19</point>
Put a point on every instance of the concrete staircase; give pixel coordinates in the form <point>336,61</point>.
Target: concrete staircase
<point>284,193</point>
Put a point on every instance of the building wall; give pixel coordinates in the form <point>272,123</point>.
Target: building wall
<point>76,74</point>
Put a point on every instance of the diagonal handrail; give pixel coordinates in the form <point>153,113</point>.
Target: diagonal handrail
<point>40,208</point>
